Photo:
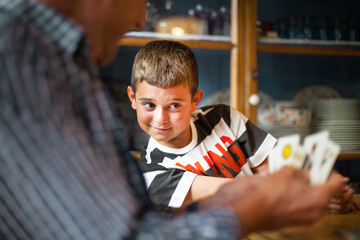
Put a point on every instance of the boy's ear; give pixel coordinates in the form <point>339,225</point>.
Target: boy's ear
<point>131,96</point>
<point>196,99</point>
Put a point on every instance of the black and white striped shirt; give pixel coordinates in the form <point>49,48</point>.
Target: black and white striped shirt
<point>224,144</point>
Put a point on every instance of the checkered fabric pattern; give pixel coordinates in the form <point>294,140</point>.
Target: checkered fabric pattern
<point>65,171</point>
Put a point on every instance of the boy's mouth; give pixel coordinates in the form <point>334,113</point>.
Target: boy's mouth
<point>161,129</point>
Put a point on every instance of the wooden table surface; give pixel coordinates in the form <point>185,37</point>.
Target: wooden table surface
<point>329,227</point>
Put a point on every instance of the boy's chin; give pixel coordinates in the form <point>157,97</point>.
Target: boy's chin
<point>161,139</point>
<point>165,141</point>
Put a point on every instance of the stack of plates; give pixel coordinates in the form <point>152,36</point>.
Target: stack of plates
<point>341,117</point>
<point>308,96</point>
<point>280,131</point>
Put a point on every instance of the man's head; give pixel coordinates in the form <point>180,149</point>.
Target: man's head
<point>164,91</point>
<point>165,64</point>
<point>104,22</point>
<point>117,18</point>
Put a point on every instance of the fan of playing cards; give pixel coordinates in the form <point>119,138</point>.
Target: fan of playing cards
<point>318,153</point>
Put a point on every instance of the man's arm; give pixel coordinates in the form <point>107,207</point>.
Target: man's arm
<point>279,200</point>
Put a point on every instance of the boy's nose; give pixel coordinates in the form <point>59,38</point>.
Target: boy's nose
<point>161,117</point>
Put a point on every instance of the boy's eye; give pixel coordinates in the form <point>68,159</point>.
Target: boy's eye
<point>174,106</point>
<point>149,105</point>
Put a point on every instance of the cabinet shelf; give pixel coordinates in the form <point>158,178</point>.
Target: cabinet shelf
<point>309,47</point>
<point>210,42</point>
<point>349,155</point>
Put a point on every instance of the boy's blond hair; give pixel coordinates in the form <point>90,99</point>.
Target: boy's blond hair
<point>164,63</point>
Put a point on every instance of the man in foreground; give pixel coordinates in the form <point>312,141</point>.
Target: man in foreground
<point>66,172</point>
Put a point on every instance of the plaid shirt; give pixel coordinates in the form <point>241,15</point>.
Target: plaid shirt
<point>65,170</point>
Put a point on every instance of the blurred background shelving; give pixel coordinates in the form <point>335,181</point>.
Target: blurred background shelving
<point>286,65</point>
<point>247,62</point>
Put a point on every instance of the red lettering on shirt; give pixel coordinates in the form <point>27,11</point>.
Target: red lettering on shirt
<point>212,167</point>
<point>189,168</point>
<point>235,150</point>
<point>211,164</point>
<point>226,139</point>
<point>220,163</point>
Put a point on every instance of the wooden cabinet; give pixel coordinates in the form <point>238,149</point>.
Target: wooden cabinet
<point>238,44</point>
<point>311,48</point>
<point>253,46</point>
<point>244,47</point>
<point>241,44</point>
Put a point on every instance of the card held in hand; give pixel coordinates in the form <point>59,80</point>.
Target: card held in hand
<point>318,153</point>
<point>314,146</point>
<point>320,172</point>
<point>287,152</point>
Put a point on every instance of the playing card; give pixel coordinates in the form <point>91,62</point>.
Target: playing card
<point>273,155</point>
<point>314,146</point>
<point>298,157</point>
<point>320,151</point>
<point>287,152</point>
<point>319,173</point>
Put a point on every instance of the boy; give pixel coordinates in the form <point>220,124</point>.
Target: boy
<point>188,146</point>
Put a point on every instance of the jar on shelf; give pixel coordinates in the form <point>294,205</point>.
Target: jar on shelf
<point>225,18</point>
<point>354,29</point>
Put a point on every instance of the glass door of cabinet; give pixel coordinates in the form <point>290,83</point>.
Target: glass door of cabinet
<point>308,53</point>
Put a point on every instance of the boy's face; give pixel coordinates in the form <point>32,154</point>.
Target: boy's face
<point>164,113</point>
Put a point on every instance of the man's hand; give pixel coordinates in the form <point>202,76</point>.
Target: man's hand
<point>343,201</point>
<point>279,200</point>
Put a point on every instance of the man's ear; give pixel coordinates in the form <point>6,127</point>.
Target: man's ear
<point>131,96</point>
<point>196,99</point>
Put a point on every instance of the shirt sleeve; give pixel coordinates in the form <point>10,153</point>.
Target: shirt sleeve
<point>214,224</point>
<point>255,143</point>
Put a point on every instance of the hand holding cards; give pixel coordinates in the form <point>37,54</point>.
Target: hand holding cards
<point>318,153</point>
